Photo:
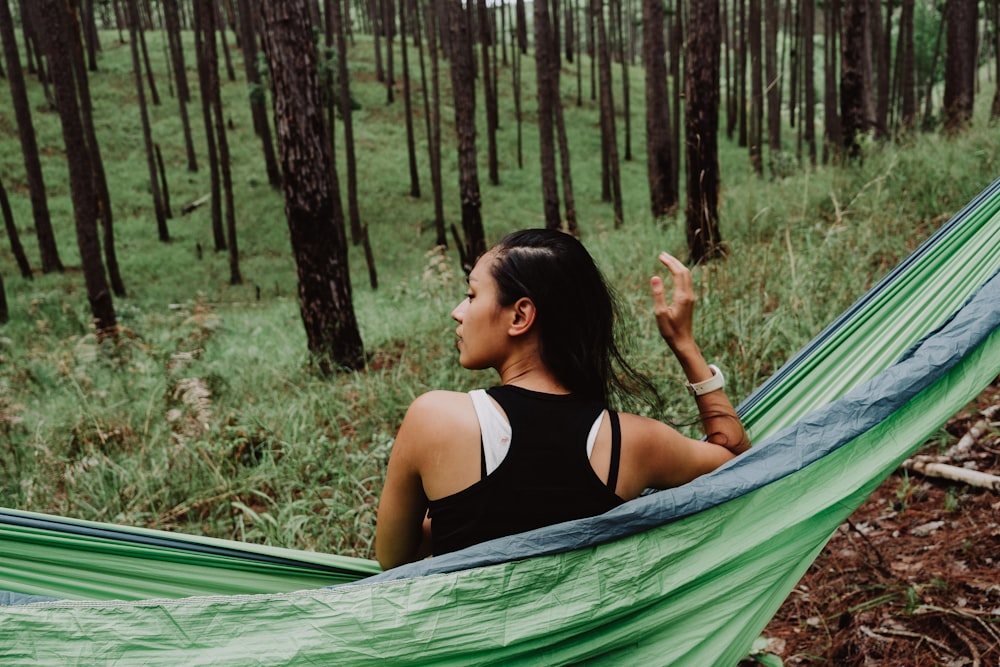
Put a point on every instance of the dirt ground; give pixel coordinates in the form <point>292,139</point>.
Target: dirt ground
<point>913,577</point>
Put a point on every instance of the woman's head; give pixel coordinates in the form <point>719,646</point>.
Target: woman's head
<point>575,309</point>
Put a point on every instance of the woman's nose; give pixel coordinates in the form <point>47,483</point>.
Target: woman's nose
<point>459,311</point>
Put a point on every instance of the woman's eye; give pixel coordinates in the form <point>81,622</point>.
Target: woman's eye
<point>469,296</point>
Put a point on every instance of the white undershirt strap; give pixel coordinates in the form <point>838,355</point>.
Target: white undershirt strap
<point>495,430</point>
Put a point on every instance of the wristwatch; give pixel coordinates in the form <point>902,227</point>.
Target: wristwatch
<point>717,381</point>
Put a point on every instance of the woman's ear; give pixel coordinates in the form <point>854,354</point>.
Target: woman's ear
<point>524,317</point>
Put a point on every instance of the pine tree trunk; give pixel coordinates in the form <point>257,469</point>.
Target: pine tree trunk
<point>489,94</point>
<point>702,121</point>
<point>755,136</point>
<point>434,128</point>
<point>773,90</point>
<point>626,97</point>
<point>147,137</point>
<point>544,72</point>
<point>47,246</point>
<point>995,108</point>
<point>411,150</point>
<point>463,88</point>
<point>344,96</point>
<point>884,71</point>
<point>100,183</point>
<point>210,28</point>
<point>325,298</point>
<point>608,113</point>
<point>663,200</point>
<point>908,76</point>
<point>173,28</point>
<point>55,30</point>
<point>741,75</point>
<point>204,82</point>
<point>16,248</point>
<point>852,77</point>
<point>258,97</point>
<point>809,83</point>
<point>831,108</point>
<point>960,63</point>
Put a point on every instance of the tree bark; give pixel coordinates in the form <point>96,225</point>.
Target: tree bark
<point>755,137</point>
<point>463,88</point>
<point>15,240</point>
<point>809,83</point>
<point>545,72</point>
<point>489,94</point>
<point>55,36</point>
<point>209,15</point>
<point>959,63</point>
<point>608,131</point>
<point>204,82</point>
<point>662,196</point>
<point>258,98</point>
<point>321,260</point>
<point>434,126</point>
<point>47,246</point>
<point>411,150</point>
<point>908,72</point>
<point>853,102</point>
<point>147,135</point>
<point>771,87</point>
<point>173,28</point>
<point>702,121</point>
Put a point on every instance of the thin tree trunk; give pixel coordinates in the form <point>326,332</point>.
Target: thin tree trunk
<point>100,183</point>
<point>809,83</point>
<point>771,88</point>
<point>756,120</point>
<point>928,106</point>
<point>995,108</point>
<point>16,248</point>
<point>147,137</point>
<point>411,150</point>
<point>47,246</point>
<point>173,28</point>
<point>473,242</point>
<point>960,63</point>
<point>204,82</point>
<point>344,96</point>
<point>608,113</point>
<point>434,128</point>
<point>56,32</point>
<point>831,107</point>
<point>741,75</point>
<point>702,120</point>
<point>258,97</point>
<point>908,79</point>
<point>626,98</point>
<point>853,104</point>
<point>663,199</point>
<point>211,27</point>
<point>489,94</point>
<point>546,131</point>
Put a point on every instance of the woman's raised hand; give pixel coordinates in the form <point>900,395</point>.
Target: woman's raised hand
<point>675,320</point>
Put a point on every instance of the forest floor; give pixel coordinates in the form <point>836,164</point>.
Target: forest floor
<point>913,576</point>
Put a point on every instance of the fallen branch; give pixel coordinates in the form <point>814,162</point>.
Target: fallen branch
<point>190,206</point>
<point>961,448</point>
<point>932,468</point>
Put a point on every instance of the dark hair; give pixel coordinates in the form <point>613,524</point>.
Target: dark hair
<point>577,312</point>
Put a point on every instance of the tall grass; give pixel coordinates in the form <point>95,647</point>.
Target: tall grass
<point>208,416</point>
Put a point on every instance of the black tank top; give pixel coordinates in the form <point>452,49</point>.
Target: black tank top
<point>545,478</point>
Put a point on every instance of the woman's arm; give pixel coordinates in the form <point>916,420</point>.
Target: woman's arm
<point>675,322</point>
<point>436,453</point>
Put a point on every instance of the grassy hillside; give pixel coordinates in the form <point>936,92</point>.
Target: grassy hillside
<point>207,417</point>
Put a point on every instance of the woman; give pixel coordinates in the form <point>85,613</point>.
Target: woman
<point>543,447</point>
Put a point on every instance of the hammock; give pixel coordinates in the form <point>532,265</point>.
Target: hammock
<point>686,576</point>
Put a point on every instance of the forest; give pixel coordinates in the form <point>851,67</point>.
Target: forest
<point>234,228</point>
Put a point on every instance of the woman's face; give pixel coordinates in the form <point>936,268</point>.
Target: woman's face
<point>481,330</point>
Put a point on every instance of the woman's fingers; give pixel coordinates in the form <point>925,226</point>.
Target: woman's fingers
<point>673,319</point>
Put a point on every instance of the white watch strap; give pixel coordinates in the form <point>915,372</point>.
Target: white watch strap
<point>717,381</point>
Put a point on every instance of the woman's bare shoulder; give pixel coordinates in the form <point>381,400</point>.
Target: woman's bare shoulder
<point>439,410</point>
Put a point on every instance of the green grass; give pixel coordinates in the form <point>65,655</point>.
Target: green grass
<point>208,416</point>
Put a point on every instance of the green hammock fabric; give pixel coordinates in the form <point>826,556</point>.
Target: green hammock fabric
<point>688,576</point>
